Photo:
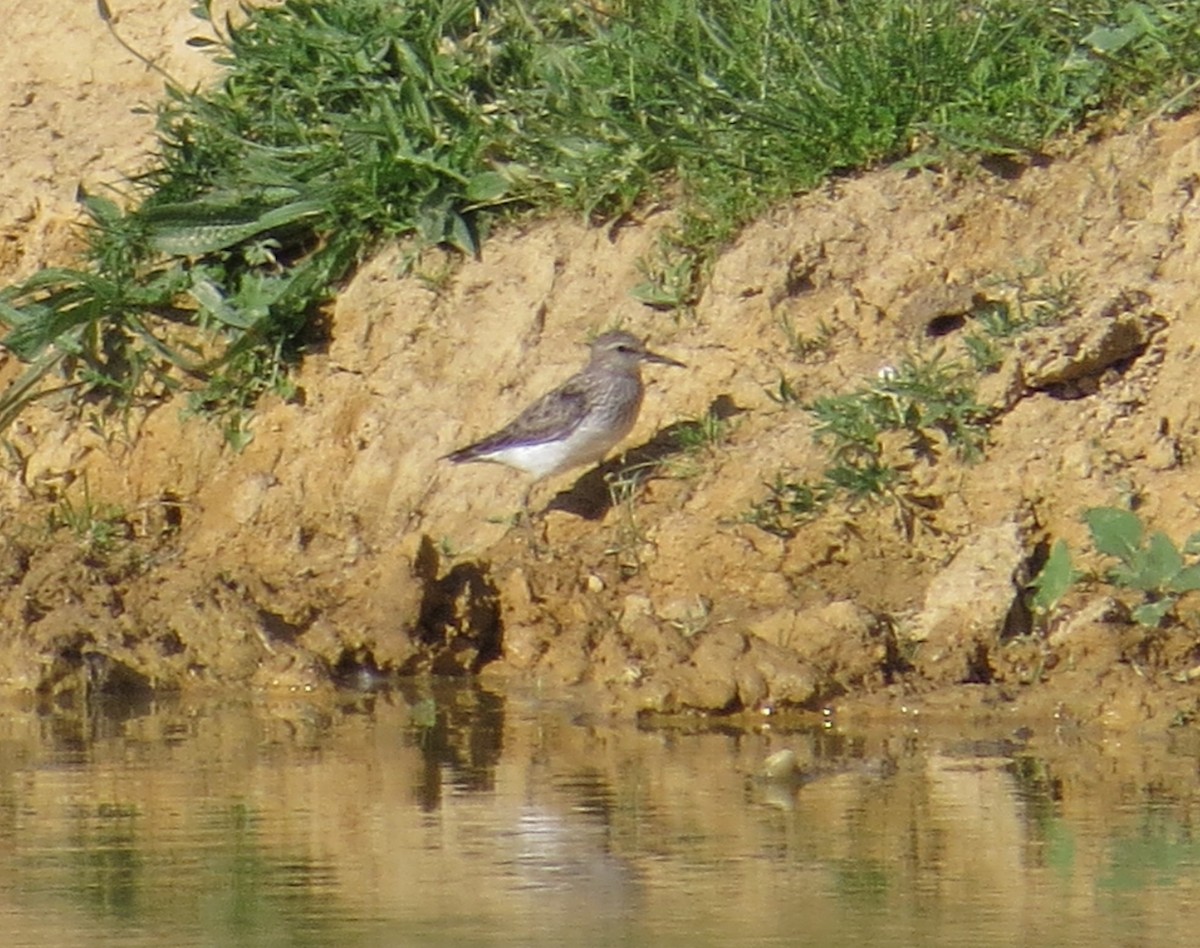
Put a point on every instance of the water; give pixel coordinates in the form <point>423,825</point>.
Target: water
<point>459,817</point>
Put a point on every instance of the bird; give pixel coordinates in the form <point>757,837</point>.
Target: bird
<point>577,423</point>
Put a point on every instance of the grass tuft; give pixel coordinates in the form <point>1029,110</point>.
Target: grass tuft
<point>875,435</point>
<point>339,124</point>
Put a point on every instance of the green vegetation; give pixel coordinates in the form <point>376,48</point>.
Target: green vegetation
<point>1030,300</point>
<point>628,539</point>
<point>804,347</point>
<point>1052,582</point>
<point>704,434</point>
<point>99,528</point>
<point>929,402</point>
<point>1152,566</point>
<point>343,123</point>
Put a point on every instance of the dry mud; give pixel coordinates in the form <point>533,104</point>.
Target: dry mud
<point>338,545</point>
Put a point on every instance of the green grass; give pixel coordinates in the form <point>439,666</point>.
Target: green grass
<point>99,528</point>
<point>875,434</point>
<point>340,124</point>
<point>1030,300</point>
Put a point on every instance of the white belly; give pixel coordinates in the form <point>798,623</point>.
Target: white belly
<point>586,445</point>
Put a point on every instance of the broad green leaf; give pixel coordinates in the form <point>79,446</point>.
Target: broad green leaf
<point>1115,532</point>
<point>654,294</point>
<point>1162,561</point>
<point>1128,574</point>
<point>487,187</point>
<point>1152,613</point>
<point>103,211</point>
<point>1053,580</point>
<point>200,227</point>
<point>1191,545</point>
<point>460,235</point>
<point>1107,40</point>
<point>1186,580</point>
<point>210,299</point>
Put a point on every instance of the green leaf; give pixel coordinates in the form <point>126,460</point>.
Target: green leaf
<point>1186,580</point>
<point>1191,546</point>
<point>212,300</point>
<point>200,227</point>
<point>104,212</point>
<point>654,294</point>
<point>1161,563</point>
<point>487,187</point>
<point>1104,39</point>
<point>1053,580</point>
<point>1151,613</point>
<point>1115,532</point>
<point>460,236</point>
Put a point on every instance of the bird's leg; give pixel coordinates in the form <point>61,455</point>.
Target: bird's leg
<point>526,514</point>
<point>537,544</point>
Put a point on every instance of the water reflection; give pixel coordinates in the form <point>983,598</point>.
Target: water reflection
<point>456,816</point>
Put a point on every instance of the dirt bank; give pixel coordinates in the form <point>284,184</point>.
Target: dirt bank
<point>138,550</point>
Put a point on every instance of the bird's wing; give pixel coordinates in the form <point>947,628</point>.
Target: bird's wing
<point>553,416</point>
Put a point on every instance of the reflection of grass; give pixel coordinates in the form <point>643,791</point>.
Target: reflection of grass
<point>1162,855</point>
<point>864,884</point>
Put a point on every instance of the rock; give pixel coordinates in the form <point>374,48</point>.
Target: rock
<point>782,765</point>
<point>967,606</point>
<point>706,683</point>
<point>842,638</point>
<point>789,680</point>
<point>292,670</point>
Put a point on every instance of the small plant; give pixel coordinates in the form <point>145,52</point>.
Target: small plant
<point>98,527</point>
<point>694,619</point>
<point>1052,582</point>
<point>922,397</point>
<point>1152,565</point>
<point>927,401</point>
<point>1027,305</point>
<point>784,393</point>
<point>787,505</point>
<point>703,434</point>
<point>671,279</point>
<point>628,536</point>
<point>804,347</point>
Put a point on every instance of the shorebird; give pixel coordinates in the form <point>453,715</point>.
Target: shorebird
<point>577,423</point>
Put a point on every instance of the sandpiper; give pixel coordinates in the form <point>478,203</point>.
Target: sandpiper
<point>580,421</point>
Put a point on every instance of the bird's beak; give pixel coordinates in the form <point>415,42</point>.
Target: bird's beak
<point>662,359</point>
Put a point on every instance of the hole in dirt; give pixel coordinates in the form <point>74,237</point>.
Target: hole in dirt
<point>172,509</point>
<point>945,324</point>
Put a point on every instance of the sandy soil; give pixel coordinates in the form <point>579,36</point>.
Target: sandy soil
<point>338,545</point>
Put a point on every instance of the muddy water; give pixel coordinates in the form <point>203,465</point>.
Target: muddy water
<point>460,817</point>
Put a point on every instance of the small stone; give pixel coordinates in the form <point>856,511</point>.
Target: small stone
<point>781,765</point>
<point>634,607</point>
